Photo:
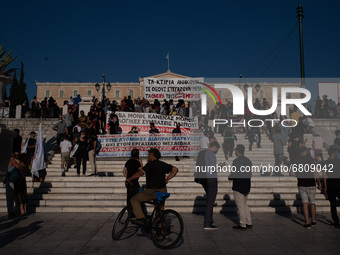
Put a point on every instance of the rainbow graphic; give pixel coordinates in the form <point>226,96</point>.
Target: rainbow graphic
<point>209,93</point>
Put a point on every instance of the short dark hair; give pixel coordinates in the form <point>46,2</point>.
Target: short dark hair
<point>17,131</point>
<point>240,148</point>
<point>214,144</point>
<point>135,153</point>
<point>152,124</point>
<point>155,152</point>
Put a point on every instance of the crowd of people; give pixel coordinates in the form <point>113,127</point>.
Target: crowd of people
<point>77,132</point>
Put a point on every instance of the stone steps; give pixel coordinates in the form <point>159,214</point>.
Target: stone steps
<point>107,192</point>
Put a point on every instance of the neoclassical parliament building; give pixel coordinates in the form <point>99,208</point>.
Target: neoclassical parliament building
<point>62,91</point>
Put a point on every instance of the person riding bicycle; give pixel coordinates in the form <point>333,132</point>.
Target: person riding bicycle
<point>155,171</point>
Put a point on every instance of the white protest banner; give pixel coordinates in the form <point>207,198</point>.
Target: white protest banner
<point>164,123</point>
<point>172,88</point>
<point>167,144</point>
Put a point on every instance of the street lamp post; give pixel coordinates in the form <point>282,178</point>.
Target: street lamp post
<point>108,87</point>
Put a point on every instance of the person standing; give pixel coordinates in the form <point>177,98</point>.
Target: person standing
<point>31,145</point>
<point>177,130</point>
<point>278,144</point>
<point>306,185</point>
<point>210,186</point>
<point>61,129</point>
<point>205,140</point>
<point>317,145</point>
<point>131,167</point>
<point>11,176</point>
<point>65,148</point>
<point>34,107</point>
<point>69,120</point>
<point>82,155</point>
<point>255,130</point>
<point>229,142</point>
<point>332,182</point>
<point>92,153</point>
<point>241,187</point>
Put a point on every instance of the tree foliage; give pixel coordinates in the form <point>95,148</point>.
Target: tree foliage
<point>18,93</point>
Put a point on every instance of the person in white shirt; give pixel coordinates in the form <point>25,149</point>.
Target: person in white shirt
<point>65,148</point>
<point>205,141</point>
<point>309,123</point>
<point>317,145</point>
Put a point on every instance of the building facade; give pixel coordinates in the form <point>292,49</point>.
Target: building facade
<point>62,91</point>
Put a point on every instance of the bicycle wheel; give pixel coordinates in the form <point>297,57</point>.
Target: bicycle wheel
<point>121,223</point>
<point>167,229</point>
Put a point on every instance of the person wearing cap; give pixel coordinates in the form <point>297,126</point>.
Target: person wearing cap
<point>31,145</point>
<point>306,184</point>
<point>331,181</point>
<point>241,187</point>
<point>61,129</point>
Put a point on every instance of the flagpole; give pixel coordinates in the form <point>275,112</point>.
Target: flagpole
<point>168,61</point>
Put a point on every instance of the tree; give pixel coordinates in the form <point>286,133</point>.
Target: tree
<point>5,73</point>
<point>18,95</point>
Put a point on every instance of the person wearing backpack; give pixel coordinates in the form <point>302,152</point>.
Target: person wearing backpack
<point>92,153</point>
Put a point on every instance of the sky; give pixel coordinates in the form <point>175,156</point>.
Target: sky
<point>69,41</point>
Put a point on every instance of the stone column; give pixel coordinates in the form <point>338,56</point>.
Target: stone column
<point>18,111</point>
<point>85,104</point>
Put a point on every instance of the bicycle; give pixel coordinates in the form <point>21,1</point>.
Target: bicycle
<point>166,226</point>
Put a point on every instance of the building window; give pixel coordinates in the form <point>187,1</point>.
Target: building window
<point>61,93</point>
<point>47,93</point>
<point>117,93</point>
<point>131,93</point>
<point>75,92</point>
<point>289,95</point>
<point>261,94</point>
<point>220,93</point>
<point>89,92</point>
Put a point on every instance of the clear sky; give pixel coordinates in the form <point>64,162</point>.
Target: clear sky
<point>80,40</point>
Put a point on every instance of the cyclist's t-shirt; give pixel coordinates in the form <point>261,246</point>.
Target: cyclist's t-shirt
<point>132,166</point>
<point>155,172</point>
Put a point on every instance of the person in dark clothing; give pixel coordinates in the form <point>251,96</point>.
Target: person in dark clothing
<point>82,152</point>
<point>31,145</point>
<point>293,147</point>
<point>113,124</point>
<point>17,141</point>
<point>210,186</point>
<point>158,174</point>
<point>131,167</point>
<point>332,182</point>
<point>177,130</point>
<point>299,129</point>
<point>255,131</point>
<point>306,184</point>
<point>241,187</point>
<point>153,129</point>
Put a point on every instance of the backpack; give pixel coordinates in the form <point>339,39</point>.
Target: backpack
<point>200,177</point>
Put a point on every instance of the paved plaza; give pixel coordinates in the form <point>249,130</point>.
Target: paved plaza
<point>90,233</point>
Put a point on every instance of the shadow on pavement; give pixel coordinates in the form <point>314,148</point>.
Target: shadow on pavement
<point>19,233</point>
